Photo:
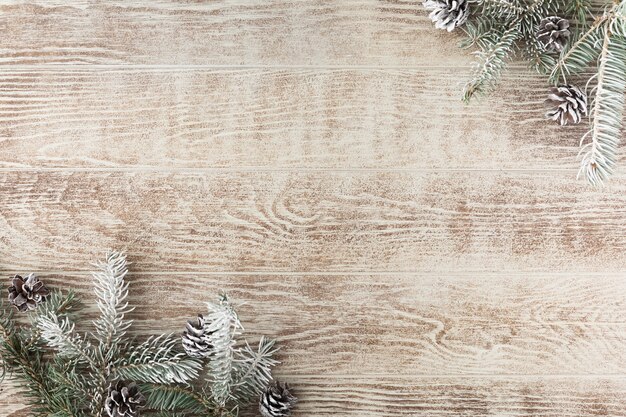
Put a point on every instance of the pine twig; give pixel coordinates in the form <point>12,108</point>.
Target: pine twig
<point>599,153</point>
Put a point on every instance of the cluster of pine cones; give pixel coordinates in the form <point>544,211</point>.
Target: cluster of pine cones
<point>124,398</point>
<point>568,103</point>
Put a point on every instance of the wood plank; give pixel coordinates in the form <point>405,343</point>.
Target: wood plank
<point>275,119</point>
<point>226,32</point>
<point>412,324</point>
<point>447,397</point>
<point>319,221</point>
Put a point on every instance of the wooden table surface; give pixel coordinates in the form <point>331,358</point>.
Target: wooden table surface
<point>413,256</point>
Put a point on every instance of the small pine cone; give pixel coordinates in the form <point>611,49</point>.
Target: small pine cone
<point>26,294</point>
<point>277,401</point>
<point>196,339</point>
<point>554,33</point>
<point>448,14</point>
<point>124,400</point>
<point>569,104</point>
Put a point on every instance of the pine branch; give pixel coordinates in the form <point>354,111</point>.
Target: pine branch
<point>111,292</point>
<point>491,63</point>
<point>580,11</point>
<point>580,55</point>
<point>254,370</point>
<point>174,398</point>
<point>481,33</point>
<point>58,333</point>
<point>57,304</point>
<point>34,376</point>
<point>222,327</point>
<point>158,360</point>
<point>538,58</point>
<point>599,145</point>
<point>502,9</point>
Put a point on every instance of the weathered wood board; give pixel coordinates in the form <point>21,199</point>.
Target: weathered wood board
<point>413,256</point>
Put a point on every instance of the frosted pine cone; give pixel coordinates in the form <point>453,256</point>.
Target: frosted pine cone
<point>277,401</point>
<point>26,294</point>
<point>554,33</point>
<point>569,102</point>
<point>447,14</point>
<point>196,339</point>
<point>124,400</point>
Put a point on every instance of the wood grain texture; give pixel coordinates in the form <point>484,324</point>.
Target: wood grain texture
<point>413,256</point>
<point>449,397</point>
<point>226,32</point>
<point>321,221</point>
<point>402,324</point>
<point>275,119</point>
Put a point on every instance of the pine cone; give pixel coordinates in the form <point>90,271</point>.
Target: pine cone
<point>26,294</point>
<point>447,14</point>
<point>196,339</point>
<point>569,102</point>
<point>554,33</point>
<point>124,400</point>
<point>276,401</point>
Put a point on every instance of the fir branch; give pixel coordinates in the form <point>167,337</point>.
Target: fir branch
<point>33,374</point>
<point>491,63</point>
<point>58,333</point>
<point>222,327</point>
<point>111,292</point>
<point>56,304</point>
<point>580,55</point>
<point>599,145</point>
<point>174,398</point>
<point>501,9</point>
<point>481,33</point>
<point>538,58</point>
<point>158,360</point>
<point>579,10</point>
<point>253,370</point>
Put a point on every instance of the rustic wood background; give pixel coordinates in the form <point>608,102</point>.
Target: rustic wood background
<point>413,256</point>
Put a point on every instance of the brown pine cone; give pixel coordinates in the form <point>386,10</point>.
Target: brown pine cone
<point>447,14</point>
<point>196,341</point>
<point>124,400</point>
<point>277,401</point>
<point>569,104</point>
<point>26,294</point>
<point>554,33</point>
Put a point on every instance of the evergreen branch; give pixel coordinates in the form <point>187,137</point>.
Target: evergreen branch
<point>491,63</point>
<point>579,9</point>
<point>58,333</point>
<point>34,375</point>
<point>599,153</point>
<point>481,33</point>
<point>222,327</point>
<point>253,370</point>
<point>580,55</point>
<point>501,9</point>
<point>158,360</point>
<point>64,377</point>
<point>538,58</point>
<point>174,398</point>
<point>57,304</point>
<point>111,292</point>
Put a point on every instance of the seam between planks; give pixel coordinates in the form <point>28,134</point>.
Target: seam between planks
<point>284,169</point>
<point>323,273</point>
<point>194,67</point>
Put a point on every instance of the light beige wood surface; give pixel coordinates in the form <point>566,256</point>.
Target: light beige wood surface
<point>344,118</point>
<point>412,255</point>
